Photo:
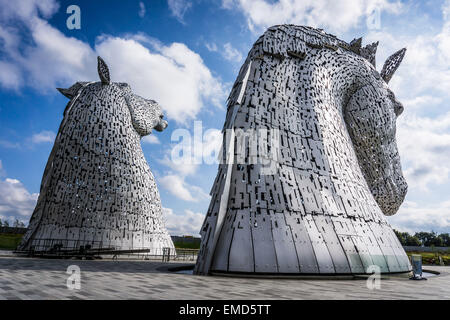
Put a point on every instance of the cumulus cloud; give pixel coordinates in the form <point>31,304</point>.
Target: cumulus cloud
<point>15,200</point>
<point>151,139</point>
<point>230,53</point>
<point>173,75</point>
<point>188,223</point>
<point>177,186</point>
<point>43,137</point>
<point>49,59</point>
<point>414,218</point>
<point>179,8</point>
<point>330,14</point>
<point>424,146</point>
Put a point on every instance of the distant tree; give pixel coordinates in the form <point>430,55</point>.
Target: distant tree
<point>445,239</point>
<point>413,241</point>
<point>437,241</point>
<point>427,238</point>
<point>6,223</point>
<point>405,238</point>
<point>400,237</point>
<point>1,224</point>
<point>16,223</point>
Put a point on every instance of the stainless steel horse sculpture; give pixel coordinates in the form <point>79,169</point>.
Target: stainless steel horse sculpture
<point>97,188</point>
<point>334,165</point>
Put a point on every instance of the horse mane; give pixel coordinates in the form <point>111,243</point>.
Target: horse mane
<point>291,40</point>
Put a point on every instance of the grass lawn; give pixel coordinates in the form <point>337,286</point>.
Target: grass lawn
<point>10,241</point>
<point>432,258</point>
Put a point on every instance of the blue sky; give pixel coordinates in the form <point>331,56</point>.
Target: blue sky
<point>186,55</point>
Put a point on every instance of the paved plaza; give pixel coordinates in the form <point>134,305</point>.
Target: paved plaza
<point>33,278</point>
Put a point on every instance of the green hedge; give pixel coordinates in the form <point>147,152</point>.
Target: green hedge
<point>187,245</point>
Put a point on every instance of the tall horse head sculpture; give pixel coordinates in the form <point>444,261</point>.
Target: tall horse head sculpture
<point>97,188</point>
<point>319,210</point>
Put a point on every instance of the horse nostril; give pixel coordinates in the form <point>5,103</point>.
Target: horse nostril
<point>398,109</point>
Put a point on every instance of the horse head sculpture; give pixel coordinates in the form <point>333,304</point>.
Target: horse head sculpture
<point>97,188</point>
<point>371,115</point>
<point>335,172</point>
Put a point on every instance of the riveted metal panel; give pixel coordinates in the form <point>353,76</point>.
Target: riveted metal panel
<point>353,257</point>
<point>241,250</point>
<point>400,254</point>
<point>302,242</point>
<point>323,257</point>
<point>375,251</point>
<point>363,252</point>
<point>263,243</point>
<point>385,246</point>
<point>220,261</point>
<point>325,227</point>
<point>284,245</point>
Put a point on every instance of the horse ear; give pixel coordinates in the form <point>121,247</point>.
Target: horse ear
<point>103,71</point>
<point>391,65</point>
<point>72,91</point>
<point>66,92</point>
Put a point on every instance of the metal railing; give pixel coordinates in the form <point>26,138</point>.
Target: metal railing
<point>95,249</point>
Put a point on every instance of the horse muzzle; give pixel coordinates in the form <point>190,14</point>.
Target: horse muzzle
<point>161,125</point>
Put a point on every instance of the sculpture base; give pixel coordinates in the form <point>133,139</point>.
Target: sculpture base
<point>323,276</point>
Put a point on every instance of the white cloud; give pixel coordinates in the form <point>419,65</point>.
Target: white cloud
<point>184,169</point>
<point>43,137</point>
<point>329,14</point>
<point>27,9</point>
<point>9,145</point>
<point>179,8</point>
<point>188,223</point>
<point>205,152</point>
<point>413,218</point>
<point>173,75</point>
<point>421,101</point>
<point>142,10</point>
<point>151,139</point>
<point>424,147</point>
<point>211,46</point>
<point>228,52</point>
<point>15,200</point>
<point>231,53</point>
<point>177,186</point>
<point>10,77</point>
